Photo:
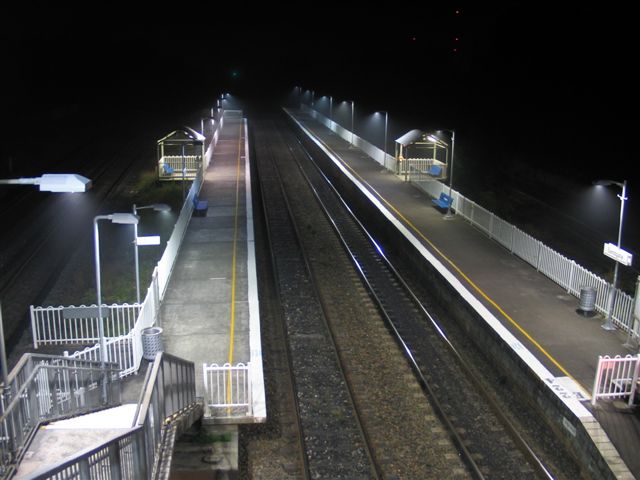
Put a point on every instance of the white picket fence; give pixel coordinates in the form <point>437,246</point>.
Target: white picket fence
<point>228,389</point>
<point>73,325</point>
<point>616,377</point>
<point>565,272</point>
<point>562,270</point>
<point>192,163</point>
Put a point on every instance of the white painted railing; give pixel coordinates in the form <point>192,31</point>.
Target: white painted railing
<point>192,164</point>
<point>565,272</point>
<point>616,377</point>
<point>79,325</point>
<point>228,389</point>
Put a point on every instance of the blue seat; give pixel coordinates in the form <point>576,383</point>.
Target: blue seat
<point>444,201</point>
<point>200,207</point>
<point>435,170</point>
<point>168,170</point>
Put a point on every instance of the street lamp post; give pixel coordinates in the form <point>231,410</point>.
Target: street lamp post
<point>608,324</point>
<point>384,146</point>
<point>433,138</point>
<point>119,218</point>
<point>158,207</point>
<point>330,112</point>
<point>353,107</point>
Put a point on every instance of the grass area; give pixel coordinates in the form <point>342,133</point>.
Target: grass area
<point>117,268</point>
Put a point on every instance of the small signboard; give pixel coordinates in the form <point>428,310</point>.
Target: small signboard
<point>616,253</point>
<point>77,313</point>
<point>148,240</point>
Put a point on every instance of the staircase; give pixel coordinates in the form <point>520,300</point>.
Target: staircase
<point>62,418</point>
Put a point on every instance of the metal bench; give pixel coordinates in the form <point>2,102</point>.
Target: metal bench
<point>200,207</point>
<point>444,201</point>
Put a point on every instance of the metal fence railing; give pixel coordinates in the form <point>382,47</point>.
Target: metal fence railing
<point>562,270</point>
<point>168,396</point>
<point>228,389</point>
<point>616,377</point>
<point>45,387</point>
<point>79,325</point>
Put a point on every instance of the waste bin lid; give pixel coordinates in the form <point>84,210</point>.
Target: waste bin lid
<point>152,331</point>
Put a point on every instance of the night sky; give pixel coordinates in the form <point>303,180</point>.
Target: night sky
<point>546,83</point>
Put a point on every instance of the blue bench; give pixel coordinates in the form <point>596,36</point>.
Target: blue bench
<point>200,207</point>
<point>435,170</point>
<point>444,201</point>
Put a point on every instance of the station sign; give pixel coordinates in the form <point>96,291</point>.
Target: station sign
<point>148,240</point>
<point>616,253</point>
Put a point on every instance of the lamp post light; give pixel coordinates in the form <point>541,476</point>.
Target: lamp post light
<point>435,139</point>
<point>123,219</point>
<point>54,182</point>
<point>48,182</point>
<point>157,207</point>
<point>608,324</point>
<point>384,146</point>
<point>353,109</point>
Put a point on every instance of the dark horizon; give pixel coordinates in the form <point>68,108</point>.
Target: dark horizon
<point>544,86</point>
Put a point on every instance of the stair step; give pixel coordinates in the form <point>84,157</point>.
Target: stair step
<point>59,440</point>
<point>110,418</point>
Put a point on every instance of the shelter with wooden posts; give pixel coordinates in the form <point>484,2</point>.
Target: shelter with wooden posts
<point>423,154</point>
<point>180,154</point>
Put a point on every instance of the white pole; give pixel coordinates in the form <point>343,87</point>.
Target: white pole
<point>103,343</point>
<point>135,244</point>
<point>453,146</point>
<point>608,325</point>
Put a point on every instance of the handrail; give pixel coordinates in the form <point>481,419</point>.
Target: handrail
<point>130,466</point>
<point>167,400</point>
<point>47,387</point>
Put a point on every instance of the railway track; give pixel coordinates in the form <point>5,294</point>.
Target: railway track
<point>411,406</point>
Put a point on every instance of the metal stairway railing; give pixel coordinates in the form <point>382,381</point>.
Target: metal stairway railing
<point>167,404</point>
<point>42,388</point>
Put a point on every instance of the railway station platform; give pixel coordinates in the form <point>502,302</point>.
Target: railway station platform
<point>210,312</point>
<point>537,317</point>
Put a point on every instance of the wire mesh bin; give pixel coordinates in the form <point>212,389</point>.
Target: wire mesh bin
<point>151,342</point>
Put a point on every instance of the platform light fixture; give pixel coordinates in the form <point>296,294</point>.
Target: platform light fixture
<point>54,182</point>
<point>608,324</point>
<point>122,219</point>
<point>137,241</point>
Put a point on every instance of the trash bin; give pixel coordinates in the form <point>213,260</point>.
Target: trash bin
<point>151,342</point>
<point>587,305</point>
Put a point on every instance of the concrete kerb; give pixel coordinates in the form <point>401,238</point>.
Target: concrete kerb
<point>563,410</point>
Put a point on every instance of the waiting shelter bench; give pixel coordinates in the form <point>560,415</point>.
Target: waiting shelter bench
<point>200,207</point>
<point>444,201</point>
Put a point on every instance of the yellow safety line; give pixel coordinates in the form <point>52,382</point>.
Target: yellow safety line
<point>457,269</point>
<point>233,268</point>
<point>234,254</point>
